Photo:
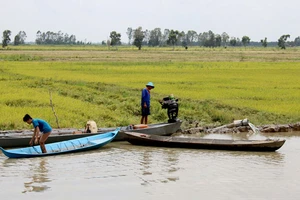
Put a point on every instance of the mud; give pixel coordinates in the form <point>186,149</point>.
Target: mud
<point>272,128</point>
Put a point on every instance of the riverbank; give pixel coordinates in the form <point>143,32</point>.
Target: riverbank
<point>229,128</point>
<point>270,128</point>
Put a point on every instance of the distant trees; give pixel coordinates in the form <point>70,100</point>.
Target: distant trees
<point>173,37</point>
<point>210,42</point>
<point>20,38</point>
<point>165,36</point>
<point>225,38</point>
<point>129,34</point>
<point>207,39</point>
<point>138,37</point>
<point>170,37</point>
<point>297,41</point>
<point>6,38</point>
<point>55,38</point>
<point>155,37</point>
<point>233,41</point>
<point>210,39</point>
<point>264,42</point>
<point>282,41</point>
<point>190,37</point>
<point>245,40</point>
<point>115,38</point>
<point>218,40</point>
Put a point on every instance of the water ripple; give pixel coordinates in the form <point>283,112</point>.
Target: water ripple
<point>155,173</point>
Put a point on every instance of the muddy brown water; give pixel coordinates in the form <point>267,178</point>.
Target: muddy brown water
<point>123,171</point>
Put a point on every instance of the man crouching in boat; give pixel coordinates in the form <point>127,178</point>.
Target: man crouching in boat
<point>39,125</point>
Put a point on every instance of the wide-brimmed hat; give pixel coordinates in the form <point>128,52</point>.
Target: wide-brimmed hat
<point>150,84</point>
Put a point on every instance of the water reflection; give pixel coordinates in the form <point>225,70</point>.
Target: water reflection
<point>243,135</point>
<point>145,163</point>
<point>171,160</point>
<point>268,158</point>
<point>157,173</point>
<point>158,165</point>
<point>39,177</point>
<point>271,157</point>
<point>170,164</point>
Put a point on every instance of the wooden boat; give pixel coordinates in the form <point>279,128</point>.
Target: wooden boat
<point>201,143</point>
<point>21,139</point>
<point>162,129</point>
<point>69,146</point>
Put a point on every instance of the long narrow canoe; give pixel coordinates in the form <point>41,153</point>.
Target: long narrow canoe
<point>21,139</point>
<point>201,143</point>
<point>69,146</point>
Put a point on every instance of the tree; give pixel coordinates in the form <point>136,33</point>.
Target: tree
<point>108,43</point>
<point>138,36</point>
<point>173,37</point>
<point>225,38</point>
<point>238,42</point>
<point>264,42</point>
<point>245,40</point>
<point>17,40</point>
<point>6,38</point>
<point>233,41</point>
<point>146,37</point>
<point>207,39</point>
<point>72,39</point>
<point>39,38</point>
<point>211,41</point>
<point>115,38</point>
<point>155,37</point>
<point>297,41</point>
<point>218,39</point>
<point>20,38</point>
<point>282,41</point>
<point>56,38</point>
<point>191,37</point>
<point>165,36</point>
<point>201,38</point>
<point>129,34</point>
<point>183,39</point>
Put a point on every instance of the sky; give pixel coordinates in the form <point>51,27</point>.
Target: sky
<point>93,20</point>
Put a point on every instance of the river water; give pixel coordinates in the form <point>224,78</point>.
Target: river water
<point>123,171</point>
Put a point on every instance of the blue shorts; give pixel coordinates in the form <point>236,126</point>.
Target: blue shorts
<point>145,111</point>
<point>46,130</point>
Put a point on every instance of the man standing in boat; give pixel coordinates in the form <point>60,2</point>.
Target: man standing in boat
<point>145,102</point>
<point>39,125</point>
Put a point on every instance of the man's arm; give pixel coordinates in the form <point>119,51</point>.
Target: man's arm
<point>35,136</point>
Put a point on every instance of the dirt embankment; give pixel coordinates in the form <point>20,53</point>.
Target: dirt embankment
<point>272,128</point>
<point>229,128</point>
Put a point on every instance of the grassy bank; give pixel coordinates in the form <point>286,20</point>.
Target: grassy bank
<point>214,86</point>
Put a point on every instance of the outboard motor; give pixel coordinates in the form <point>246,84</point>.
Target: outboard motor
<point>171,104</point>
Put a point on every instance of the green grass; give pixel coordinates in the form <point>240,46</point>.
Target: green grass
<point>106,86</point>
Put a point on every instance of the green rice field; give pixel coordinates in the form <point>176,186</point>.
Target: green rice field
<point>214,86</point>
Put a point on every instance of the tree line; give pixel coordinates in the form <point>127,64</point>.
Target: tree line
<point>157,37</point>
<point>153,38</point>
<point>42,38</point>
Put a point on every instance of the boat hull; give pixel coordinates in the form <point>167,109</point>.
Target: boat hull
<point>11,140</point>
<point>199,143</point>
<point>161,129</point>
<point>68,146</point>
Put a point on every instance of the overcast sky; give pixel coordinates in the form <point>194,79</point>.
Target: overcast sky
<point>93,20</point>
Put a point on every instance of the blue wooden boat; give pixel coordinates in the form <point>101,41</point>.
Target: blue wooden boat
<point>21,139</point>
<point>68,146</point>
